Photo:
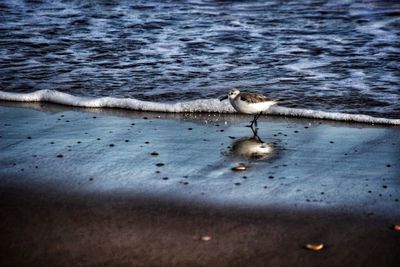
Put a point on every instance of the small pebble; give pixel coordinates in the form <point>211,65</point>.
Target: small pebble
<point>240,167</point>
<point>205,238</point>
<point>165,178</point>
<point>388,165</point>
<point>60,156</point>
<point>160,164</point>
<point>154,153</point>
<point>190,129</point>
<point>314,247</point>
<point>237,183</point>
<point>111,145</point>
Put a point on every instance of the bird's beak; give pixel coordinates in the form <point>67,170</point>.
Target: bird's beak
<point>223,98</point>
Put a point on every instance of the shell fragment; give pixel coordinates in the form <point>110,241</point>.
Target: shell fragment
<point>206,238</point>
<point>239,168</point>
<point>314,247</point>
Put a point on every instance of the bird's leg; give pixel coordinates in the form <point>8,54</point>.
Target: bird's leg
<point>256,118</point>
<point>254,132</point>
<point>253,121</point>
<point>255,135</point>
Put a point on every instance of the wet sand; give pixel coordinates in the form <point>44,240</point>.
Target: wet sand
<point>69,199</point>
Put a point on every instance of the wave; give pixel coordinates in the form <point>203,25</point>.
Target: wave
<point>201,105</point>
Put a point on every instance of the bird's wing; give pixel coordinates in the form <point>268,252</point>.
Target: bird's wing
<point>254,98</point>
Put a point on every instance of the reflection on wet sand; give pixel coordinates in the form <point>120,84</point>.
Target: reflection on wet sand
<point>252,148</point>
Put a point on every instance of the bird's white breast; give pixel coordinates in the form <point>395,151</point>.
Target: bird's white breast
<point>250,108</point>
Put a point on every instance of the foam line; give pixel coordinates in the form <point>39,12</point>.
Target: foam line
<point>202,105</point>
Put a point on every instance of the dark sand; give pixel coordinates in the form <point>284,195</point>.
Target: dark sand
<point>97,205</point>
<point>127,231</point>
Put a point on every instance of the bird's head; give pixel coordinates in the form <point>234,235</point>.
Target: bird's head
<point>231,95</point>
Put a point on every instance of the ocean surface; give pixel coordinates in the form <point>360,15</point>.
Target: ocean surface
<point>334,55</point>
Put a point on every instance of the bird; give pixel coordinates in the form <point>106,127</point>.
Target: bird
<point>249,103</point>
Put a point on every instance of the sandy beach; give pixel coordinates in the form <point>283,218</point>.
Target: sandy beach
<point>102,187</point>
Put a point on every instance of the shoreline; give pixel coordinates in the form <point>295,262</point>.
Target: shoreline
<point>190,106</point>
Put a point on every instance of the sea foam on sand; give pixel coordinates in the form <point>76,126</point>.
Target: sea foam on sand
<point>201,105</point>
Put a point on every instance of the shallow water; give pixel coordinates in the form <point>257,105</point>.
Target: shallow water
<point>326,55</point>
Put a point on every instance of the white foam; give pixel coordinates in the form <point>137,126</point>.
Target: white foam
<point>202,105</point>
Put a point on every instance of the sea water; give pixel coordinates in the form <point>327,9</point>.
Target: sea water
<point>332,59</point>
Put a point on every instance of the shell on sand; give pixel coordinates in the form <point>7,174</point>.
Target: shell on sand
<point>239,167</point>
<point>315,247</point>
<point>206,238</point>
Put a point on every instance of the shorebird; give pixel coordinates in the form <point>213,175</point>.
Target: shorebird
<point>249,103</point>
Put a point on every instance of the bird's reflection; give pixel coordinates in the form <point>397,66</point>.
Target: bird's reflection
<point>252,148</point>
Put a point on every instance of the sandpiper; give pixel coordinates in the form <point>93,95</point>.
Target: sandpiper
<point>249,103</point>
